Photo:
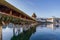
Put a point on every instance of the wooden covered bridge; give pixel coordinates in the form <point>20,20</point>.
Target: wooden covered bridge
<point>9,13</point>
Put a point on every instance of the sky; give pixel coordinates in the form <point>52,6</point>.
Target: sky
<point>42,8</point>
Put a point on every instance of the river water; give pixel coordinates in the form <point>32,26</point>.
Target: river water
<point>40,32</point>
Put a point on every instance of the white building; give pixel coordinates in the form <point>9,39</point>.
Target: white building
<point>54,20</point>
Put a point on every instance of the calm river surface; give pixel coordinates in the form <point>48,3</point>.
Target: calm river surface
<point>41,32</point>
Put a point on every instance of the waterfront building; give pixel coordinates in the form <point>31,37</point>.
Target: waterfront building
<point>41,19</point>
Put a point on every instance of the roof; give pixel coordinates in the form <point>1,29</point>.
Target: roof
<point>3,2</point>
<point>34,15</point>
<point>49,18</point>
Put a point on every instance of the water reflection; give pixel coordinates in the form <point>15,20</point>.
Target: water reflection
<point>13,31</point>
<point>25,35</point>
<point>26,32</point>
<point>48,32</point>
<point>53,26</point>
<point>0,32</point>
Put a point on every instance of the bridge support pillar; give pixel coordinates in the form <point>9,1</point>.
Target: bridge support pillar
<point>10,12</point>
<point>20,16</point>
<point>0,32</point>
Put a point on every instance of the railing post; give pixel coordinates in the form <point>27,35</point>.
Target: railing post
<point>20,16</point>
<point>10,12</point>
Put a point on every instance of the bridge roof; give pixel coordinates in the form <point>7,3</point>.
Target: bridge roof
<point>3,2</point>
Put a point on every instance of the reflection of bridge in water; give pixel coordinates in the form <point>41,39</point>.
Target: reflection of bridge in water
<point>25,35</point>
<point>18,30</point>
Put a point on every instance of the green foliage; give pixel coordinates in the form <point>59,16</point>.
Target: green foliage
<point>11,19</point>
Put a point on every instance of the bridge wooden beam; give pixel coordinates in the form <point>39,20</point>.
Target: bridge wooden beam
<point>10,12</point>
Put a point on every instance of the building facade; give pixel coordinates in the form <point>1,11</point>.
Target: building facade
<point>53,20</point>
